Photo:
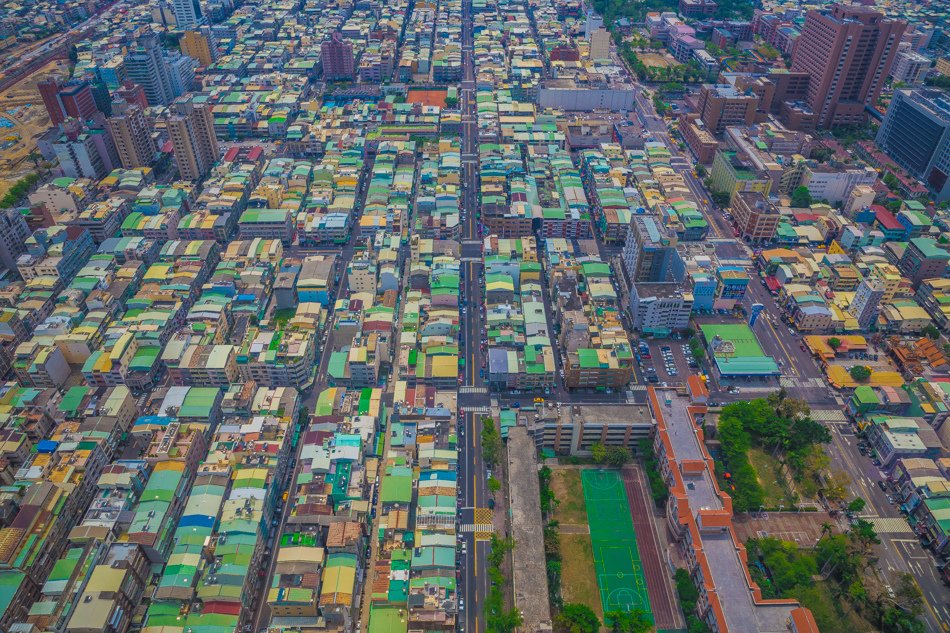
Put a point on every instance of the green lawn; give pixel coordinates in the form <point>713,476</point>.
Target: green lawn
<point>566,484</point>
<point>578,582</point>
<point>773,481</point>
<point>830,613</point>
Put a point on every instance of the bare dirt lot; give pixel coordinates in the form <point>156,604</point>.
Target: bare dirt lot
<point>22,120</point>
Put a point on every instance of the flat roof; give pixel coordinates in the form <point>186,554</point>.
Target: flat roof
<point>746,357</point>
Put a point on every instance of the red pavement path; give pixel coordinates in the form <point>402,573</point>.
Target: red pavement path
<point>654,569</point>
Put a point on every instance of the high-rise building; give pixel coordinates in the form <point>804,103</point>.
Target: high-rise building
<point>145,65</point>
<point>199,45</point>
<point>181,72</point>
<point>848,51</point>
<point>649,254</point>
<point>756,217</point>
<point>722,105</point>
<point>336,56</point>
<point>13,235</point>
<point>600,44</point>
<point>132,93</point>
<point>909,66</point>
<point>866,302</point>
<point>83,152</point>
<point>191,130</point>
<point>916,135</point>
<point>131,135</point>
<point>72,99</point>
<point>188,13</point>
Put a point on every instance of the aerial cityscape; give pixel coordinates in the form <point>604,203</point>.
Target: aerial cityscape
<point>474,316</point>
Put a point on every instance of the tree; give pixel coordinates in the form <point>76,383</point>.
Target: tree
<point>836,485</point>
<point>907,593</point>
<point>857,504</point>
<point>864,534</point>
<point>493,485</point>
<point>635,621</point>
<point>801,197</point>
<point>491,442</point>
<point>701,171</point>
<point>834,343</point>
<point>931,332</point>
<point>577,618</point>
<point>618,455</point>
<point>860,373</point>
<point>598,452</point>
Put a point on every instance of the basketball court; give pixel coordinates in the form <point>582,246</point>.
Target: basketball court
<point>614,542</point>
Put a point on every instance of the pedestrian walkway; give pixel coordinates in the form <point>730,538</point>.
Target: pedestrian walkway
<point>833,416</point>
<point>890,525</point>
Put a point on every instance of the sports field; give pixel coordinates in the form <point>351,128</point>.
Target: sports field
<point>614,542</point>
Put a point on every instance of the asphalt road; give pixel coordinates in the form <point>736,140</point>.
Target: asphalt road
<point>473,564</point>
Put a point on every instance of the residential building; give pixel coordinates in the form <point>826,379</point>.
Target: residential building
<point>145,66</point>
<point>867,301</point>
<point>336,56</point>
<point>191,130</point>
<point>188,13</point>
<point>660,308</point>
<point>649,253</point>
<point>72,99</point>
<point>915,133</point>
<point>13,235</point>
<point>848,51</point>
<point>923,259</point>
<point>131,135</point>
<point>910,67</point>
<point>199,45</point>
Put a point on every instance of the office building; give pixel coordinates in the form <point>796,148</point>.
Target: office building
<point>848,51</point>
<point>74,99</point>
<point>145,65</point>
<point>866,302</point>
<point>188,13</point>
<point>649,254</point>
<point>191,130</point>
<point>200,46</point>
<point>923,259</point>
<point>722,105</point>
<point>756,217</point>
<point>13,235</point>
<point>131,135</point>
<point>336,56</point>
<point>916,135</point>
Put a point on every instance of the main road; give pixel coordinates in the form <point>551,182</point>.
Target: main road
<point>473,396</point>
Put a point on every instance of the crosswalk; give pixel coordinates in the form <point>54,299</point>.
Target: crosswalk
<point>832,416</point>
<point>478,410</point>
<point>477,527</point>
<point>638,388</point>
<point>813,383</point>
<point>890,525</point>
<point>472,389</point>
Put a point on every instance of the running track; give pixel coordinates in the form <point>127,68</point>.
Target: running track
<point>659,588</point>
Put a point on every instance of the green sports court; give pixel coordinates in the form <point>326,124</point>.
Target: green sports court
<point>614,542</point>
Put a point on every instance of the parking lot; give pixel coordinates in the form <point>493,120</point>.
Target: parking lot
<point>669,360</point>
